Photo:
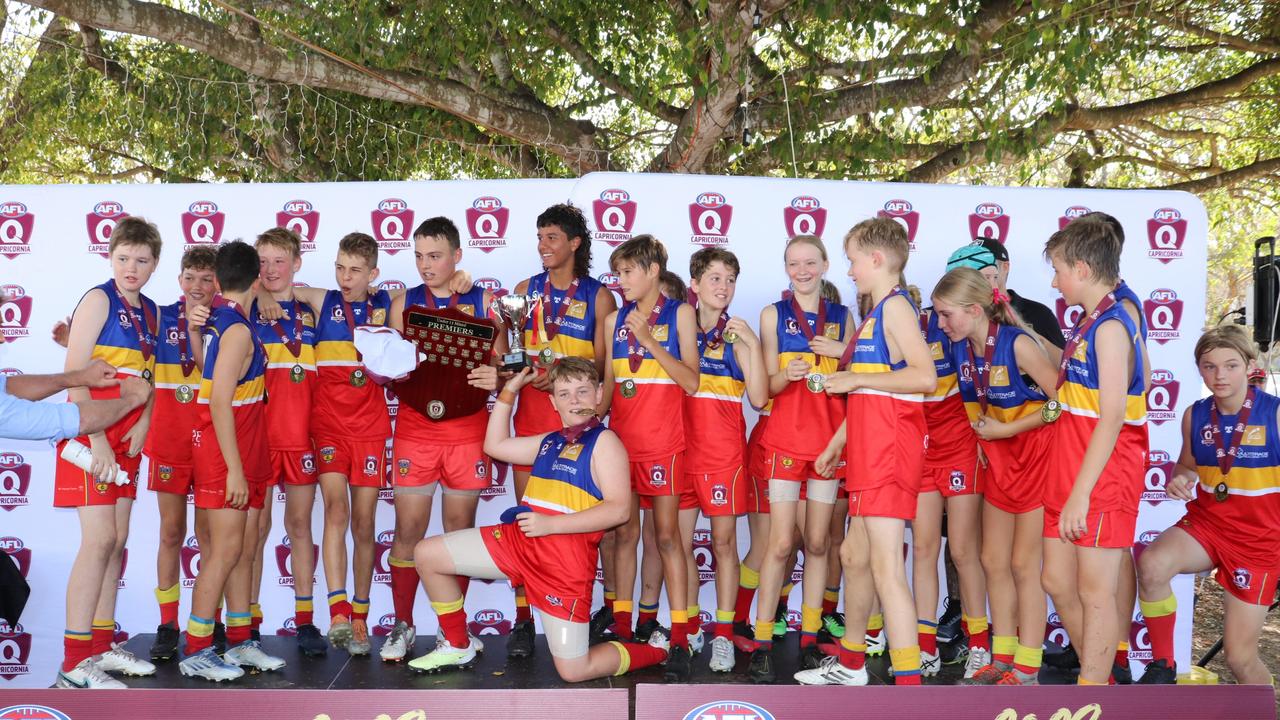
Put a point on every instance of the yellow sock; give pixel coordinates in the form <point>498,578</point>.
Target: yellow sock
<point>255,610</point>
<point>976,624</point>
<point>522,601</point>
<point>1005,645</point>
<point>100,624</point>
<point>443,608</point>
<point>748,578</point>
<point>875,622</point>
<point>764,631</point>
<point>724,616</point>
<point>905,660</point>
<point>1123,645</point>
<point>810,619</point>
<point>1081,681</point>
<point>624,658</point>
<point>1159,608</point>
<point>167,595</point>
<point>1025,657</point>
<point>610,595</point>
<point>199,627</point>
<point>619,606</point>
<point>786,591</point>
<point>694,610</point>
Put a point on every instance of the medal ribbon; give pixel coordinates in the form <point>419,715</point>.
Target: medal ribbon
<point>257,342</point>
<point>982,375</point>
<point>185,357</point>
<point>1227,456</point>
<point>349,314</point>
<point>714,337</point>
<point>146,340</point>
<point>1077,334</point>
<point>635,353</point>
<point>853,341</point>
<point>572,434</point>
<point>557,316</point>
<point>294,343</point>
<point>435,301</point>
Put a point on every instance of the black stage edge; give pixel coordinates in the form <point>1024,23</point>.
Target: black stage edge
<point>340,671</point>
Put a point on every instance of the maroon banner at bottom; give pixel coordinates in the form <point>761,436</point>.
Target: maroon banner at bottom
<point>312,704</point>
<point>1045,702</point>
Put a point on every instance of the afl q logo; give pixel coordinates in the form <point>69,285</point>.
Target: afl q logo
<point>728,710</point>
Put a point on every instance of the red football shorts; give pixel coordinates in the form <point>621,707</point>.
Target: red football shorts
<point>294,467</point>
<point>889,500</point>
<point>462,467</point>
<point>660,476</point>
<point>361,461</point>
<point>73,487</point>
<point>558,572</point>
<point>166,478</point>
<point>1102,529</point>
<point>953,480</point>
<point>1240,574</point>
<point>722,493</point>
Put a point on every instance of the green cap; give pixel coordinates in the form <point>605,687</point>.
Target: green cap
<point>971,256</point>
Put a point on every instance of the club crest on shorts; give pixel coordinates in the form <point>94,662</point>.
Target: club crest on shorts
<point>482,469</point>
<point>308,463</point>
<point>719,495</point>
<point>166,472</point>
<point>328,453</point>
<point>402,465</point>
<point>787,462</point>
<point>1242,578</point>
<point>370,465</point>
<point>658,475</point>
<point>957,481</point>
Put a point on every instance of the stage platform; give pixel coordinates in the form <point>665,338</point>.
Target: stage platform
<point>338,686</point>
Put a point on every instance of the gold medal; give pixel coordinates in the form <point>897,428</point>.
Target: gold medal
<point>184,394</point>
<point>296,374</point>
<point>628,388</point>
<point>730,337</point>
<point>1051,411</point>
<point>1221,492</point>
<point>816,382</point>
<point>547,356</point>
<point>357,378</point>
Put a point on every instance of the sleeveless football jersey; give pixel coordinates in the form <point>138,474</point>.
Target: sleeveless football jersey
<point>174,413</point>
<point>120,344</point>
<point>715,429</point>
<point>802,422</point>
<point>575,338</point>
<point>1250,516</point>
<point>290,378</point>
<point>346,402</point>
<point>650,422</point>
<point>247,403</point>
<point>1119,487</point>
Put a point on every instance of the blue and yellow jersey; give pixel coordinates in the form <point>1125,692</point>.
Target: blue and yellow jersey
<point>561,481</point>
<point>576,337</point>
<point>715,430</point>
<point>1009,395</point>
<point>290,379</point>
<point>1251,513</point>
<point>802,422</point>
<point>347,403</point>
<point>951,438</point>
<point>1079,393</point>
<point>251,387</point>
<point>117,342</point>
<point>643,417</point>
<point>471,302</point>
<point>1124,292</point>
<point>871,347</point>
<point>173,414</point>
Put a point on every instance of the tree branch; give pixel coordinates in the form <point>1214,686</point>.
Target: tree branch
<point>1263,47</point>
<point>1256,169</point>
<point>574,141</point>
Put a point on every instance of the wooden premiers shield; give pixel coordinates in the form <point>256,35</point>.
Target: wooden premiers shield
<point>454,343</point>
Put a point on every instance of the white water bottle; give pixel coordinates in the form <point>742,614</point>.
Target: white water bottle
<point>81,456</point>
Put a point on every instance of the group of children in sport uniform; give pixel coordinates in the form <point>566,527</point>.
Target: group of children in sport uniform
<point>871,418</point>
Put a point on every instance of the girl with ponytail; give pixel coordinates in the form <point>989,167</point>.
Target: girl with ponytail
<point>1005,378</point>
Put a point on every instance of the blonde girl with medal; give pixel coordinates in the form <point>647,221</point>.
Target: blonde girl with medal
<point>179,362</point>
<point>1006,379</point>
<point>1098,457</point>
<point>116,323</point>
<point>802,338</point>
<point>1229,475</point>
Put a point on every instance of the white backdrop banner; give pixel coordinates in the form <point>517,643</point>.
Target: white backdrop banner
<point>53,245</point>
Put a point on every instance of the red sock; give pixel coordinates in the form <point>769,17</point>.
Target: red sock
<point>853,659</point>
<point>1122,657</point>
<point>724,630</point>
<point>404,590</point>
<point>255,623</point>
<point>75,650</point>
<point>979,640</point>
<point>646,615</point>
<point>237,634</point>
<point>196,643</point>
<point>1160,632</point>
<point>101,642</point>
<point>464,582</point>
<point>217,615</point>
<point>639,655</point>
<point>679,633</point>
<point>912,679</point>
<point>742,607</point>
<point>453,625</point>
<point>169,613</point>
<point>523,613</point>
<point>695,624</point>
<point>622,624</point>
<point>807,639</point>
<point>928,642</point>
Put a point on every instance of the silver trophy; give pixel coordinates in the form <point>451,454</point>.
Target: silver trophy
<point>515,310</point>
